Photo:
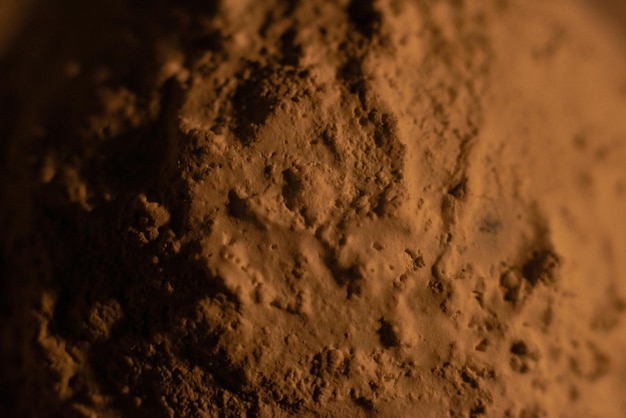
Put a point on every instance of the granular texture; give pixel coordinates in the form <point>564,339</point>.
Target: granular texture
<point>384,208</point>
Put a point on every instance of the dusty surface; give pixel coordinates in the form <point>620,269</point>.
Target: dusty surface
<point>325,208</point>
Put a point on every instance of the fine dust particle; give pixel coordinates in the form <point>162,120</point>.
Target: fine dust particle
<point>275,208</point>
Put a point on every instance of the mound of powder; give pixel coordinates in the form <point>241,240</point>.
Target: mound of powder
<point>383,208</point>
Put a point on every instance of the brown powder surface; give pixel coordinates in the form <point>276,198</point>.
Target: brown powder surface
<point>377,208</point>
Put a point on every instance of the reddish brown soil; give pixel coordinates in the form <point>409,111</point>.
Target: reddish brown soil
<point>272,208</point>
